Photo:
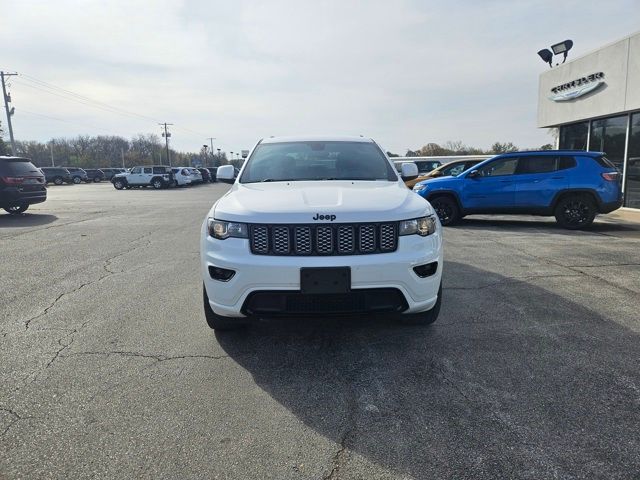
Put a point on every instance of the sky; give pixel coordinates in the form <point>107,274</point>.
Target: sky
<point>404,72</point>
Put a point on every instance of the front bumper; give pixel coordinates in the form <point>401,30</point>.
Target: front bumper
<point>264,273</point>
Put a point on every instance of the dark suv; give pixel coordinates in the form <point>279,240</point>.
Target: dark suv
<point>21,184</point>
<point>78,175</point>
<point>94,175</point>
<point>574,186</point>
<point>110,172</point>
<point>206,175</point>
<point>56,175</point>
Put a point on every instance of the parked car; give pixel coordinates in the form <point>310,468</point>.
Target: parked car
<point>633,168</point>
<point>206,176</point>
<point>56,175</point>
<point>78,175</point>
<point>156,176</point>
<point>213,172</point>
<point>574,186</point>
<point>424,166</point>
<point>453,169</point>
<point>21,184</point>
<point>182,176</point>
<point>109,172</point>
<point>196,176</point>
<point>95,175</point>
<point>360,242</point>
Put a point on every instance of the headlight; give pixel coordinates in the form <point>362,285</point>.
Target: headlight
<point>221,230</point>
<point>421,226</point>
<point>418,188</point>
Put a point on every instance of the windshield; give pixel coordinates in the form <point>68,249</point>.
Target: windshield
<point>309,161</point>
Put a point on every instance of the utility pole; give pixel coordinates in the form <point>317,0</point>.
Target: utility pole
<point>166,136</point>
<point>122,156</point>
<point>7,99</point>
<point>51,149</point>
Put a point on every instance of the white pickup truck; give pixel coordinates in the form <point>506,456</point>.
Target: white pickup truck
<point>320,226</point>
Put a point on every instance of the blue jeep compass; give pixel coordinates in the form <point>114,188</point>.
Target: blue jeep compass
<point>574,186</point>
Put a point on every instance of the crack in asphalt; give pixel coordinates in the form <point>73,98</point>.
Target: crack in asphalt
<point>573,268</point>
<point>107,263</point>
<point>608,265</point>
<point>108,273</point>
<point>158,358</point>
<point>341,457</point>
<point>55,301</point>
<point>57,225</point>
<point>16,418</point>
<point>440,369</point>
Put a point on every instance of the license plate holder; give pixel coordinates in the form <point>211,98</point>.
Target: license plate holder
<point>323,280</point>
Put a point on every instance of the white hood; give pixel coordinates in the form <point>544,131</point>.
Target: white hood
<point>300,202</point>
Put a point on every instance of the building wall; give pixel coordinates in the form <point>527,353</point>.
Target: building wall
<point>620,63</point>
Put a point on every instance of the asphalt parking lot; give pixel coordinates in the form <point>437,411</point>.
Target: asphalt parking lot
<point>108,370</point>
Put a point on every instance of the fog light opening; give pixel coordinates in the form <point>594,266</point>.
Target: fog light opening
<point>426,270</point>
<point>221,274</point>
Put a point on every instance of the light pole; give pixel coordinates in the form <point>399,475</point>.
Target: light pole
<point>211,139</point>
<point>204,161</point>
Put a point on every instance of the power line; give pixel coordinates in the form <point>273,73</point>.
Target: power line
<point>22,110</point>
<point>82,98</point>
<point>69,95</point>
<point>106,109</point>
<point>65,93</point>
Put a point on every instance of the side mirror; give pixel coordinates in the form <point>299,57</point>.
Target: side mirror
<point>408,171</point>
<point>226,174</point>
<point>473,174</point>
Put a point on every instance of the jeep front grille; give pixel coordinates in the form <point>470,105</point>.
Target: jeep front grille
<point>324,239</point>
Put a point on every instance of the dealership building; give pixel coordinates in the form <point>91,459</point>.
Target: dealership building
<point>594,101</point>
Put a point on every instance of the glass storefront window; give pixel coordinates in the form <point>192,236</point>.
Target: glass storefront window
<point>632,186</point>
<point>608,135</point>
<point>574,136</point>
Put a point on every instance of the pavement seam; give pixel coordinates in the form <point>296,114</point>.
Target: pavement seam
<point>506,280</point>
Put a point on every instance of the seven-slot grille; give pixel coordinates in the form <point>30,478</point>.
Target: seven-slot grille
<point>324,239</point>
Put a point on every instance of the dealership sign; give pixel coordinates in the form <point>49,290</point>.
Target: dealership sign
<point>577,88</point>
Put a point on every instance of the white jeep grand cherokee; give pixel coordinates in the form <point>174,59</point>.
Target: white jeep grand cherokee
<point>320,226</point>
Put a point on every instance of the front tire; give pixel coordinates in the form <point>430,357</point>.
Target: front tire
<point>16,209</point>
<point>157,183</point>
<point>97,180</point>
<point>575,211</point>
<point>77,180</point>
<point>424,318</point>
<point>218,322</point>
<point>119,184</point>
<point>447,210</point>
<point>58,181</point>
